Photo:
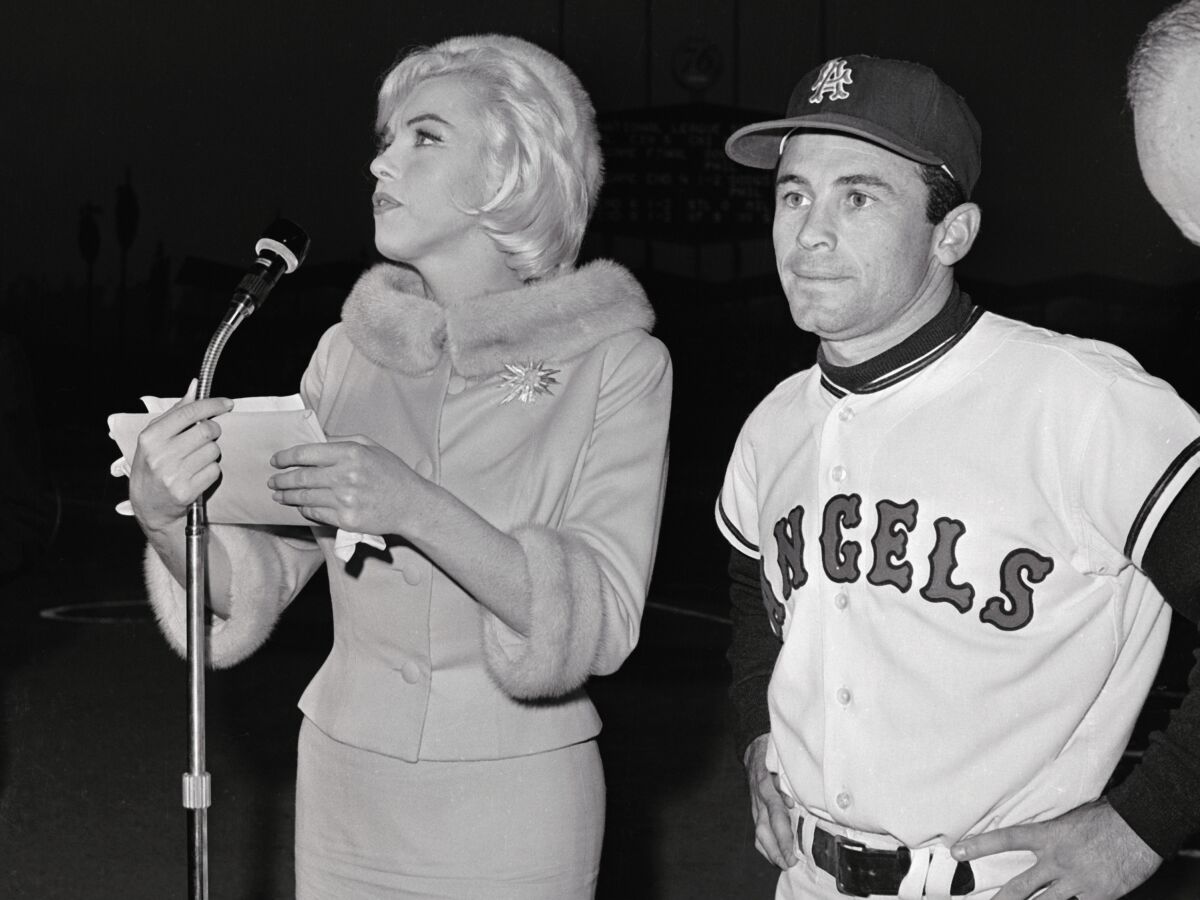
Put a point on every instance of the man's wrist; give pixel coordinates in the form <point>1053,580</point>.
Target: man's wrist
<point>753,747</point>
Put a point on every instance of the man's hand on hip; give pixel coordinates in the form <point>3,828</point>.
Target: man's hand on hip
<point>1089,852</point>
<point>773,836</point>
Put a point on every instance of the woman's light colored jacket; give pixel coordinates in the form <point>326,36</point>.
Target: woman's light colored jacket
<point>575,472</point>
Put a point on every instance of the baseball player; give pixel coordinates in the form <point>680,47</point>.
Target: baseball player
<point>952,539</point>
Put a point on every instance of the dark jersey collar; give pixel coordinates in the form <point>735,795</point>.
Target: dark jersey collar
<point>914,353</point>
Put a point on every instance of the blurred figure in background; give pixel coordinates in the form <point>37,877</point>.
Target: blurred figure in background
<point>1164,91</point>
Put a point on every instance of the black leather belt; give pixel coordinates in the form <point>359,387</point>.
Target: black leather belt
<point>861,870</point>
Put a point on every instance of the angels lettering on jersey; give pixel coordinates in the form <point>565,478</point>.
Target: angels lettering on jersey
<point>1008,604</point>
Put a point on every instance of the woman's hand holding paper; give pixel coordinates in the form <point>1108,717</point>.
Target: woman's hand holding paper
<point>176,461</point>
<point>352,483</point>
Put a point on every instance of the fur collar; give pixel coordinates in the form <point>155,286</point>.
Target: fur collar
<point>390,321</point>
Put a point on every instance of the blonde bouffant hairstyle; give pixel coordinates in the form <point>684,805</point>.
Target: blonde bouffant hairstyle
<point>540,132</point>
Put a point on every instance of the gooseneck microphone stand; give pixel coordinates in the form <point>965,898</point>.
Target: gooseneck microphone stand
<point>281,249</point>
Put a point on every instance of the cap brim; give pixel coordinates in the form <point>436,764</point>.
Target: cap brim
<point>757,145</point>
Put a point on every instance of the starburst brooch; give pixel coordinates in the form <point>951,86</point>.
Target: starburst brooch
<point>527,382</point>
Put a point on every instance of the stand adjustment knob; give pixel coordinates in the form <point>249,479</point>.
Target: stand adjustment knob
<point>197,791</point>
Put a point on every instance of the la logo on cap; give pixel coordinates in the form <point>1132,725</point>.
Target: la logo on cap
<point>832,80</point>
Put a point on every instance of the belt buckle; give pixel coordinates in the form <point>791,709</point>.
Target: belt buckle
<point>846,883</point>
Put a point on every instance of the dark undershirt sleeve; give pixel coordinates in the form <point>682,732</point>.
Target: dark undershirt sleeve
<point>1160,800</point>
<point>753,650</point>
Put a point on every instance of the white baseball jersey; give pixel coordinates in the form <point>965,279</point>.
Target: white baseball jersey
<point>953,553</point>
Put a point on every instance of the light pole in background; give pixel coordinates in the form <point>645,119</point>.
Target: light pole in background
<point>127,222</point>
<point>89,248</point>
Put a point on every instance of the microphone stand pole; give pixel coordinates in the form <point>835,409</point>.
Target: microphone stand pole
<point>197,786</point>
<point>281,249</point>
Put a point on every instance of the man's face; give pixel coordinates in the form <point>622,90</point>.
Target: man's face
<point>1167,129</point>
<point>852,245</point>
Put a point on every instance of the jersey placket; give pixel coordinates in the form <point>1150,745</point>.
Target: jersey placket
<point>839,469</point>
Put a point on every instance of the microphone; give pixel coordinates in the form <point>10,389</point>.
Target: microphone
<point>280,250</point>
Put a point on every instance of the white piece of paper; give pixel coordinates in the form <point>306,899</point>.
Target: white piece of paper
<point>254,430</point>
<point>251,433</point>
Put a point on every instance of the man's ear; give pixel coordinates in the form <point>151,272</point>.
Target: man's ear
<point>954,235</point>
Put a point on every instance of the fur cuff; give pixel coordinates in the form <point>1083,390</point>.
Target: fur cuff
<point>566,620</point>
<point>229,640</point>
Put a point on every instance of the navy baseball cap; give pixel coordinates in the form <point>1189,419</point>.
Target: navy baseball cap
<point>901,106</point>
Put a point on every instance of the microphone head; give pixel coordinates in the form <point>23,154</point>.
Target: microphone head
<point>287,240</point>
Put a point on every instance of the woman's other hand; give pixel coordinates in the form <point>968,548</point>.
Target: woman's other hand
<point>352,483</point>
<point>176,461</point>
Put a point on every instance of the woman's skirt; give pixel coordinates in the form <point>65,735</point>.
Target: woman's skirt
<point>372,826</point>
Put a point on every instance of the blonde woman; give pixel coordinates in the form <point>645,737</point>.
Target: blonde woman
<point>500,417</point>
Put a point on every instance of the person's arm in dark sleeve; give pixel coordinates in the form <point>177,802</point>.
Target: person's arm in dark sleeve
<point>753,649</point>
<point>1160,800</point>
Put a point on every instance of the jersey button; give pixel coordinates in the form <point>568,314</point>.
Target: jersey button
<point>424,467</point>
<point>412,574</point>
<point>843,800</point>
<point>457,383</point>
<point>844,696</point>
<point>838,474</point>
<point>841,600</point>
<point>846,414</point>
<point>410,672</point>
